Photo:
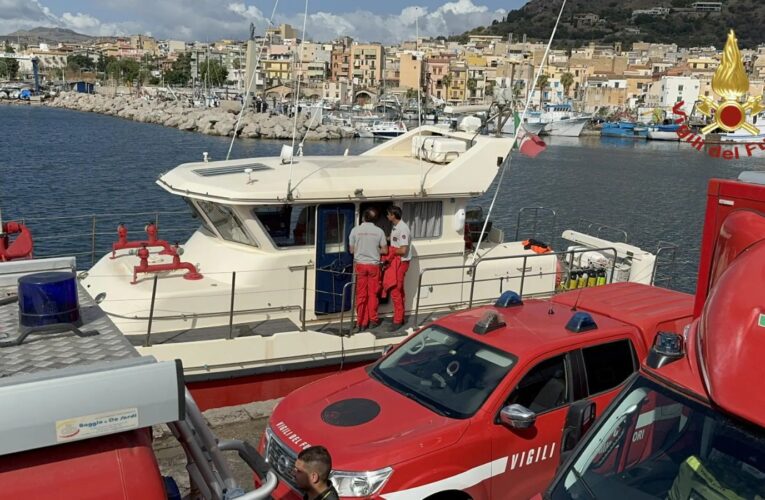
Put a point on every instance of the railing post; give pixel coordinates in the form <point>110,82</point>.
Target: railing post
<point>147,341</point>
<point>523,274</point>
<point>305,297</point>
<point>472,284</point>
<point>417,302</point>
<point>231,311</point>
<point>93,242</point>
<point>353,298</point>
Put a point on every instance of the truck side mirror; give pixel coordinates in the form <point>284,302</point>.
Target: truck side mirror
<point>517,416</point>
<point>580,417</point>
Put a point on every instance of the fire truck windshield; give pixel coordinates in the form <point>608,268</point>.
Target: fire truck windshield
<point>656,443</point>
<point>447,372</point>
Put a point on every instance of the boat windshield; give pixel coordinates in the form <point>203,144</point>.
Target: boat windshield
<point>225,222</point>
<point>657,443</point>
<point>288,225</point>
<point>449,373</point>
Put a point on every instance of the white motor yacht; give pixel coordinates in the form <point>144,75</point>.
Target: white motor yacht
<point>264,292</point>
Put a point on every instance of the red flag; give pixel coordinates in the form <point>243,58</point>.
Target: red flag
<point>530,144</point>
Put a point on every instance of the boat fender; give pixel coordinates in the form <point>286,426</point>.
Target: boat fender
<point>21,247</point>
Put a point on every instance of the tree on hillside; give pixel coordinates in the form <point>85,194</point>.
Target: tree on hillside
<point>213,72</point>
<point>472,85</point>
<point>541,85</point>
<point>180,72</point>
<point>446,81</point>
<point>80,62</point>
<point>567,80</point>
<point>9,68</point>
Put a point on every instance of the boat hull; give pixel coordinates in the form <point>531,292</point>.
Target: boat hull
<point>242,388</point>
<point>658,135</point>
<point>566,128</point>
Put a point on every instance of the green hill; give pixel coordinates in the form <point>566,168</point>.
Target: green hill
<point>616,23</point>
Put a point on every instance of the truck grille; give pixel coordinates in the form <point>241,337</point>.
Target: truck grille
<point>281,458</point>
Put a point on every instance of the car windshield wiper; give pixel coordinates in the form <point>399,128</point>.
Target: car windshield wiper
<point>414,397</point>
<point>585,486</point>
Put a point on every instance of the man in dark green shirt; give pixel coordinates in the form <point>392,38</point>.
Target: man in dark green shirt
<point>312,469</point>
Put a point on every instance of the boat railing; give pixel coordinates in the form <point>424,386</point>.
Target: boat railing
<point>537,216</point>
<point>296,307</point>
<point>603,231</point>
<point>85,236</point>
<point>663,268</point>
<point>567,256</point>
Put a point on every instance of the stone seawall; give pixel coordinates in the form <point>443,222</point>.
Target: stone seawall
<point>211,121</point>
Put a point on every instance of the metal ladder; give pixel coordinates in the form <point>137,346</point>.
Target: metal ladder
<point>209,473</point>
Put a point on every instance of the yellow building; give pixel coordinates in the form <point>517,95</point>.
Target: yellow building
<point>366,64</point>
<point>277,71</point>
<point>410,71</point>
<point>458,75</point>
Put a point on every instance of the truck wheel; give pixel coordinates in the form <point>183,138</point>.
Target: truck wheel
<point>450,495</point>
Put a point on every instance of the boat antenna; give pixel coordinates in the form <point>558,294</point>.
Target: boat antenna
<point>506,160</point>
<point>297,96</point>
<point>246,96</point>
<point>419,100</point>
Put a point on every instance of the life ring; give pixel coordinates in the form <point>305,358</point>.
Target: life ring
<point>21,247</point>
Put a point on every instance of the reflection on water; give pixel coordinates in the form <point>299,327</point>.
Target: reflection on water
<point>62,163</point>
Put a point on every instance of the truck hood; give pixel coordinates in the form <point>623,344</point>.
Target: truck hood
<point>364,424</point>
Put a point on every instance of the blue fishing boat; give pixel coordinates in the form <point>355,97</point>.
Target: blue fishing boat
<point>627,130</point>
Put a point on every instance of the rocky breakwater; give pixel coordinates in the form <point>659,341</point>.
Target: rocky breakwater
<point>211,121</point>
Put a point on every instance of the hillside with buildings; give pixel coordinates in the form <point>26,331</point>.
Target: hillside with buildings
<point>603,78</point>
<point>687,23</point>
<point>46,35</point>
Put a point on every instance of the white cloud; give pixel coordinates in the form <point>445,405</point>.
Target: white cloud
<point>211,19</point>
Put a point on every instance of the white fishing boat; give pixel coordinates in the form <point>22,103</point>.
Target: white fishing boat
<point>557,120</point>
<point>265,284</point>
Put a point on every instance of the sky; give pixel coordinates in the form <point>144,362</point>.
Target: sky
<point>384,21</point>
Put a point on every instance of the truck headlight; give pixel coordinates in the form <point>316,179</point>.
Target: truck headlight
<point>360,484</point>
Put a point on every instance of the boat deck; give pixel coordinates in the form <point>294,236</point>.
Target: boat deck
<point>268,328</point>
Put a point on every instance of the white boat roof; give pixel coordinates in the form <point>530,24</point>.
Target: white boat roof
<point>386,171</point>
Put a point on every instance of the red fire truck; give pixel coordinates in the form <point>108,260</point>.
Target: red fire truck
<point>479,404</point>
<point>691,424</point>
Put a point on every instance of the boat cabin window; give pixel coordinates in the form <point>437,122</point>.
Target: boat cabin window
<point>288,225</point>
<point>225,222</point>
<point>425,218</point>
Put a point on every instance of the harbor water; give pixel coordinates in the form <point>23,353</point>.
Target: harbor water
<point>57,164</point>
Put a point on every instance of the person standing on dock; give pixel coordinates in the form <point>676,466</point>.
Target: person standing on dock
<point>311,473</point>
<point>367,243</point>
<point>400,241</point>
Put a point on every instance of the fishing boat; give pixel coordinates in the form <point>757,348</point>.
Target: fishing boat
<point>666,131</point>
<point>626,130</point>
<point>259,300</point>
<point>557,120</point>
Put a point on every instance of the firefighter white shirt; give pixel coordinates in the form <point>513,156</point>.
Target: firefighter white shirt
<point>401,236</point>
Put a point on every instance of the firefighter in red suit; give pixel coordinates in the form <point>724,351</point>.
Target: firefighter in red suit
<point>367,243</point>
<point>400,241</point>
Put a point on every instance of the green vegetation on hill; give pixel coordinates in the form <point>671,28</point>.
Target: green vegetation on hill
<point>617,24</point>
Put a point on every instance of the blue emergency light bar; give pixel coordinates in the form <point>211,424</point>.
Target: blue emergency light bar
<point>581,322</point>
<point>509,299</point>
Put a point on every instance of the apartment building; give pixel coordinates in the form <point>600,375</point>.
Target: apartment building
<point>411,71</point>
<point>366,64</point>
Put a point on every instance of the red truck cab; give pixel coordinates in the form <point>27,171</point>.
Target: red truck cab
<point>479,404</point>
<point>692,423</point>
